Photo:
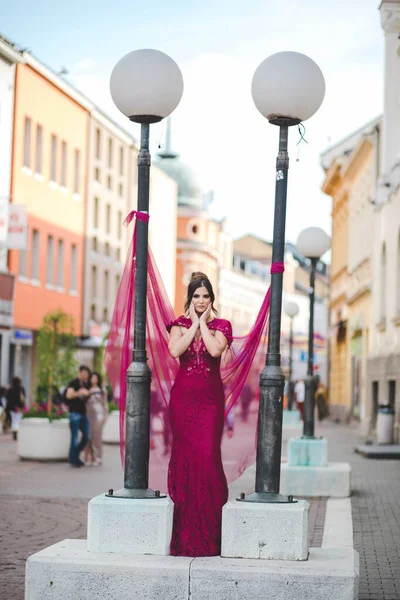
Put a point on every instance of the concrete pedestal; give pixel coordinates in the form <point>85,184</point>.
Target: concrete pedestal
<point>332,480</point>
<point>305,453</point>
<point>130,526</point>
<point>266,531</point>
<point>291,417</point>
<point>68,571</point>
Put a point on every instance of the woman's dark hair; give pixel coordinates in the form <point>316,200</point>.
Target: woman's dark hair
<point>16,384</point>
<point>99,382</point>
<point>197,280</point>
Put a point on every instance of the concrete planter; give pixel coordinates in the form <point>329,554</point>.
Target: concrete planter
<point>111,428</point>
<point>40,439</point>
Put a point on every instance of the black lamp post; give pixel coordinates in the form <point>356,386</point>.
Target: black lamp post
<point>287,88</point>
<point>146,86</point>
<point>291,310</point>
<point>313,242</point>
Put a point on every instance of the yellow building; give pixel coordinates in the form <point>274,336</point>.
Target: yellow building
<point>350,175</point>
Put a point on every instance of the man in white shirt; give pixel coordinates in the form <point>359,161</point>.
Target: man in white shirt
<point>300,392</point>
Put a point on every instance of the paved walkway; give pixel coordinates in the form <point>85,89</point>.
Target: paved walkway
<point>45,503</point>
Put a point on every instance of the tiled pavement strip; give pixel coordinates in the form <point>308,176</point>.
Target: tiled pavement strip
<point>44,503</point>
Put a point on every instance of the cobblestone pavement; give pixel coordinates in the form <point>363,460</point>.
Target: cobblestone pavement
<point>45,503</point>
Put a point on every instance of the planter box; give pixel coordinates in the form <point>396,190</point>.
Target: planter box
<point>111,428</point>
<point>38,439</point>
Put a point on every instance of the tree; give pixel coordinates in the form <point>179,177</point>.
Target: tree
<point>56,342</point>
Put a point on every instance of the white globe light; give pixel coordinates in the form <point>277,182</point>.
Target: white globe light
<point>291,309</point>
<point>288,85</point>
<point>146,83</point>
<point>313,242</point>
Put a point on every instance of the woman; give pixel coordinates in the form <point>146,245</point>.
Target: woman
<point>96,411</point>
<point>15,397</point>
<point>196,479</point>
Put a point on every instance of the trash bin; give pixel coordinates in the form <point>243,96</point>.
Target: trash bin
<point>384,425</point>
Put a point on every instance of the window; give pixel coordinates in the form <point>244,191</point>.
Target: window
<point>35,255</point>
<point>97,175</point>
<point>105,315</point>
<point>50,260</point>
<point>383,285</point>
<point>117,282</point>
<point>60,264</point>
<point>39,149</point>
<point>121,189</point>
<point>110,153</point>
<point>63,180</point>
<point>23,263</point>
<point>77,172</point>
<point>107,249</point>
<point>94,282</point>
<point>98,143</point>
<point>119,254</point>
<point>93,312</point>
<point>53,159</point>
<point>392,393</point>
<point>96,213</point>
<point>106,284</point>
<point>119,225</point>
<point>109,182</point>
<point>121,161</point>
<point>108,219</point>
<point>73,284</point>
<point>27,142</point>
<point>94,244</point>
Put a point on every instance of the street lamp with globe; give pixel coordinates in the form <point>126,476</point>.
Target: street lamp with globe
<point>291,310</point>
<point>312,243</point>
<point>146,86</point>
<point>287,88</point>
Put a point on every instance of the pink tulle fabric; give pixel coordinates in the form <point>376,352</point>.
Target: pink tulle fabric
<point>234,377</point>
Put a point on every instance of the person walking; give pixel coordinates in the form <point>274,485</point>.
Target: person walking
<point>300,392</point>
<point>76,395</point>
<point>15,397</point>
<point>97,412</point>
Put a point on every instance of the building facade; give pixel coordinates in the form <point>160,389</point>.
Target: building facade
<point>48,177</point>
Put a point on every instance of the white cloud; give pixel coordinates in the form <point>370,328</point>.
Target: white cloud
<point>84,65</point>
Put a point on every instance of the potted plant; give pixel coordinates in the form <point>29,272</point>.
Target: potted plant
<point>44,430</point>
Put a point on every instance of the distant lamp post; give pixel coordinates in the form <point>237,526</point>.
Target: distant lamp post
<point>291,310</point>
<point>287,88</point>
<point>146,86</point>
<point>312,243</point>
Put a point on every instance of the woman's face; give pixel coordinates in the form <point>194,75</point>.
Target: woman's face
<point>94,380</point>
<point>201,299</point>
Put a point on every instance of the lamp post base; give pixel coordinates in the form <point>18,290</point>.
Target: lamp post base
<point>136,494</point>
<point>266,498</point>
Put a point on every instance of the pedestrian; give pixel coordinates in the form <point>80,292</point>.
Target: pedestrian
<point>321,401</point>
<point>76,396</point>
<point>15,397</point>
<point>300,392</point>
<point>97,412</point>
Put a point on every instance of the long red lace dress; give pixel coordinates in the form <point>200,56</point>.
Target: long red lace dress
<point>196,479</point>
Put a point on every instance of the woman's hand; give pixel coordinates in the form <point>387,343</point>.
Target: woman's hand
<point>206,314</point>
<point>193,315</point>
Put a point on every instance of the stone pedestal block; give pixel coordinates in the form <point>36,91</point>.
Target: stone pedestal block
<point>332,480</point>
<point>291,417</point>
<point>307,453</point>
<point>68,571</point>
<point>266,531</point>
<point>130,526</point>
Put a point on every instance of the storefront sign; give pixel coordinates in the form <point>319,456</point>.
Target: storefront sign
<point>23,337</point>
<point>6,299</point>
<point>17,227</point>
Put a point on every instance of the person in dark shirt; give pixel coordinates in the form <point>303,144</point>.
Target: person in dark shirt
<point>77,394</point>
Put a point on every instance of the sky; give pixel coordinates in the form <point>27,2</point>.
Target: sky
<point>218,45</point>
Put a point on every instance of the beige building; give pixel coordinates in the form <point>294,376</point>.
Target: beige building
<point>350,178</point>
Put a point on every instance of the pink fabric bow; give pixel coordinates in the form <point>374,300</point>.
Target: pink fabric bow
<point>141,216</point>
<point>278,267</point>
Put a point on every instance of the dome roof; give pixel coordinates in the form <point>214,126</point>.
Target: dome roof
<point>189,190</point>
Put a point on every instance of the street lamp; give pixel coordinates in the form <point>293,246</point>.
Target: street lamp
<point>287,88</point>
<point>146,86</point>
<point>312,243</point>
<point>291,310</point>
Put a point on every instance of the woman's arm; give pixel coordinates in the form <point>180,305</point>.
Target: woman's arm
<point>179,342</point>
<point>215,344</point>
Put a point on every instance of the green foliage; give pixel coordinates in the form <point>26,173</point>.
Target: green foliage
<point>112,406</point>
<point>56,343</point>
